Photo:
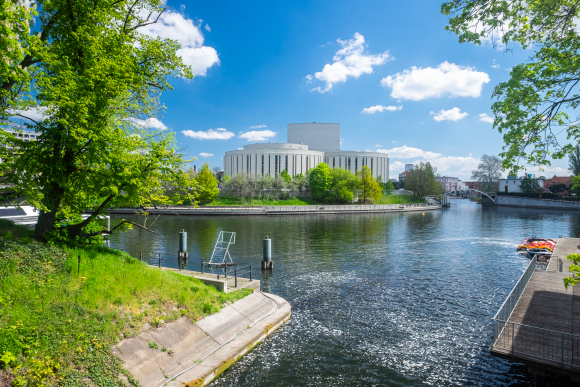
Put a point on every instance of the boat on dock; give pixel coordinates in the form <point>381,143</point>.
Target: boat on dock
<point>539,248</point>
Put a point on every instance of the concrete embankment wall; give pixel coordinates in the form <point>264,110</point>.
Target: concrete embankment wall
<point>515,201</point>
<point>281,210</point>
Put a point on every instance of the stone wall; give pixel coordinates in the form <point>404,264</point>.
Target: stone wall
<point>515,201</point>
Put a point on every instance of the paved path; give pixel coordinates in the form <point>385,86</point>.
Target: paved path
<point>192,342</point>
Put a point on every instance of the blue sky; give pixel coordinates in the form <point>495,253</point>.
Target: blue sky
<point>261,65</point>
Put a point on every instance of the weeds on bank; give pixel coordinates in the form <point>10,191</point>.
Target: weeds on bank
<point>58,323</point>
<point>400,199</point>
<point>247,201</point>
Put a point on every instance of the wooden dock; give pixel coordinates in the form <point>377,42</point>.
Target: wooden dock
<point>543,329</point>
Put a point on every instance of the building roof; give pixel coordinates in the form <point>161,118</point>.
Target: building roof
<point>558,180</point>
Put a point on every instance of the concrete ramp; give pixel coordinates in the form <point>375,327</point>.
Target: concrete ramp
<point>190,343</point>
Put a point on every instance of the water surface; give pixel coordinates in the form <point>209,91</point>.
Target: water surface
<point>377,299</point>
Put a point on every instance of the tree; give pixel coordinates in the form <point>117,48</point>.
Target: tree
<point>389,187</point>
<point>96,80</point>
<point>574,161</point>
<point>557,188</point>
<point>539,100</point>
<point>488,173</point>
<point>320,182</point>
<point>529,185</point>
<point>343,186</point>
<point>215,170</point>
<point>207,184</point>
<point>368,187</point>
<point>286,176</point>
<point>421,181</point>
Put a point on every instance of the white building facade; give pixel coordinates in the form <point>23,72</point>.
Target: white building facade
<point>296,158</point>
<point>515,184</point>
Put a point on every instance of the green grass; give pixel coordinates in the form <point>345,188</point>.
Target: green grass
<point>400,199</point>
<point>237,201</point>
<point>57,327</point>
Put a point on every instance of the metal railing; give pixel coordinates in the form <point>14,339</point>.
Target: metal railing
<point>504,313</point>
<point>561,349</point>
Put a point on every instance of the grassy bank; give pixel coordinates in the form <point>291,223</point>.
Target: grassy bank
<point>237,201</point>
<point>57,325</point>
<point>400,199</point>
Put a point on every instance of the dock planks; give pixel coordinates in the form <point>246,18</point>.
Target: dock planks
<point>543,330</point>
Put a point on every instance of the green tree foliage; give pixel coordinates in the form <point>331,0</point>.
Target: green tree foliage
<point>557,188</point>
<point>343,186</point>
<point>95,78</point>
<point>207,184</point>
<point>529,185</point>
<point>286,176</point>
<point>421,181</point>
<point>320,182</point>
<point>488,173</point>
<point>368,188</point>
<point>538,101</point>
<point>574,161</point>
<point>388,188</point>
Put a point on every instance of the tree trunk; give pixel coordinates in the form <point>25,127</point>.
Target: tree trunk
<point>45,224</point>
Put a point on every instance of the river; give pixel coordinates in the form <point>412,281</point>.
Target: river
<point>377,299</point>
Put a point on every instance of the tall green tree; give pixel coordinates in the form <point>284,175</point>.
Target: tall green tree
<point>529,185</point>
<point>488,173</point>
<point>574,161</point>
<point>207,184</point>
<point>320,182</point>
<point>538,101</point>
<point>96,79</point>
<point>421,181</point>
<point>368,186</point>
<point>286,176</point>
<point>389,188</point>
<point>343,186</point>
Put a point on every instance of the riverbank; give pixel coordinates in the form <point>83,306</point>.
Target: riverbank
<point>237,201</point>
<point>59,321</point>
<point>524,202</point>
<point>184,354</point>
<point>281,210</point>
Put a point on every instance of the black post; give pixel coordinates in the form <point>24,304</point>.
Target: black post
<point>140,255</point>
<point>226,270</point>
<point>250,272</point>
<point>202,266</point>
<point>159,259</point>
<point>79,266</point>
<point>236,276</point>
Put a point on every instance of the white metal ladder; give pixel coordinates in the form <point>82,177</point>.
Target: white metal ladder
<point>221,253</point>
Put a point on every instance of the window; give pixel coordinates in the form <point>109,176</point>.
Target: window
<point>356,164</point>
<point>307,157</point>
<point>270,165</point>
<point>262,165</point>
<point>349,163</point>
<point>286,163</point>
<point>340,162</point>
<point>333,161</point>
<point>371,163</point>
<point>276,165</point>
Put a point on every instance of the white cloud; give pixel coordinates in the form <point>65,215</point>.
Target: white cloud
<point>449,115</point>
<point>258,135</point>
<point>394,141</point>
<point>210,134</point>
<point>34,113</point>
<point>257,126</point>
<point>174,25</point>
<point>455,166</point>
<point>207,27</point>
<point>446,79</point>
<point>152,123</point>
<point>349,61</point>
<point>380,108</point>
<point>485,118</point>
<point>495,65</point>
<point>378,146</point>
<point>203,154</point>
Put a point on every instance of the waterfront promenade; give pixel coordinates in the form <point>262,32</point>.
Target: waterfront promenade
<point>538,325</point>
<point>280,210</point>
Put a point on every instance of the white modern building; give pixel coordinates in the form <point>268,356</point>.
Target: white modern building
<point>308,145</point>
<point>514,184</point>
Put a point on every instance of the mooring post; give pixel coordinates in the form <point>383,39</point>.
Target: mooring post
<point>250,272</point>
<point>226,269</point>
<point>202,266</point>
<point>267,263</point>
<point>159,259</point>
<point>182,254</point>
<point>140,255</point>
<point>79,266</point>
<point>236,278</point>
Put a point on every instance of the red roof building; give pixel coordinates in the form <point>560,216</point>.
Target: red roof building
<point>558,180</point>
